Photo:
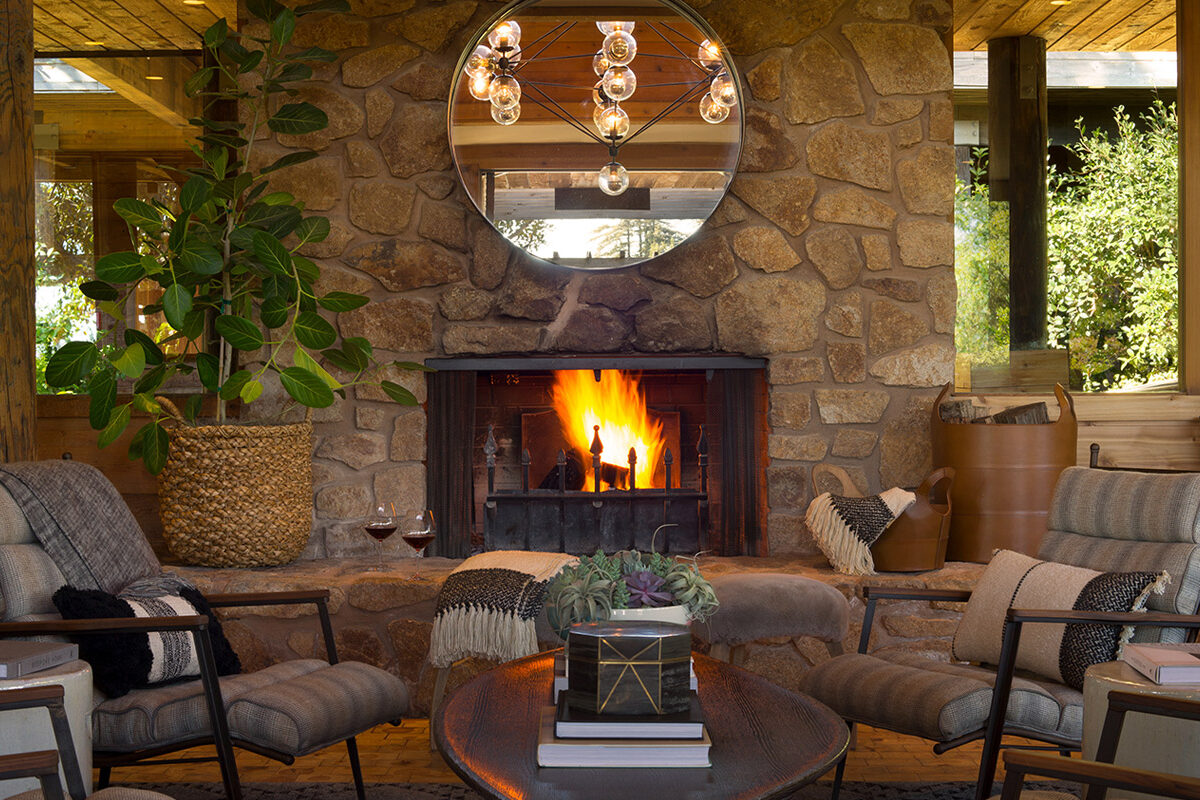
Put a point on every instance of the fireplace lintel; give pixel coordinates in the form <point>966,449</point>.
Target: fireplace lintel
<point>625,362</point>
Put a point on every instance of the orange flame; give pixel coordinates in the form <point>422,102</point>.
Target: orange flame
<point>616,404</point>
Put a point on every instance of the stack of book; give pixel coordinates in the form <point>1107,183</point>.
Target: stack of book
<point>1165,663</point>
<point>571,738</point>
<point>19,658</point>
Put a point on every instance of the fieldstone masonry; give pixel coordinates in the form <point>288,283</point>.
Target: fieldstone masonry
<point>831,256</point>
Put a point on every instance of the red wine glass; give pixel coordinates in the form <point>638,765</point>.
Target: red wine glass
<point>380,524</point>
<point>419,534</point>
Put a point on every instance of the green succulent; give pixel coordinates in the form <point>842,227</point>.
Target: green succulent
<point>580,593</point>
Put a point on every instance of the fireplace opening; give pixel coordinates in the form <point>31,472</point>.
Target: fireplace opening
<point>514,443</point>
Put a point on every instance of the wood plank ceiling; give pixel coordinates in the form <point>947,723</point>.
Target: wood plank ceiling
<point>99,25</point>
<point>1068,25</point>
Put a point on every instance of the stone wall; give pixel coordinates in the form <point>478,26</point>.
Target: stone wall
<point>831,256</point>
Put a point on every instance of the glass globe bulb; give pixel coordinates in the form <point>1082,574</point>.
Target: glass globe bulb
<point>597,112</point>
<point>608,27</point>
<point>620,83</point>
<point>478,84</point>
<point>600,64</point>
<point>504,91</point>
<point>619,48</point>
<point>712,111</point>
<point>612,179</point>
<point>614,122</point>
<point>479,60</point>
<point>506,35</point>
<point>506,116</point>
<point>709,54</point>
<point>724,90</point>
<point>599,96</point>
<point>513,55</point>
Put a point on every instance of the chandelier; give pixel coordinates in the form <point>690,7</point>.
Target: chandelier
<point>493,69</point>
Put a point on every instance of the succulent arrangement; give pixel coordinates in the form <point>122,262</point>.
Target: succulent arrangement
<point>600,583</point>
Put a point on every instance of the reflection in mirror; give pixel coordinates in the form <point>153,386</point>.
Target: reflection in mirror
<point>594,135</point>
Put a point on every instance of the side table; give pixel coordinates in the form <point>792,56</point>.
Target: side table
<point>1147,742</point>
<point>29,729</point>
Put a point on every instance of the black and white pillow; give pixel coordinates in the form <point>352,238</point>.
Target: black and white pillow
<point>846,527</point>
<point>124,661</point>
<point>1059,652</point>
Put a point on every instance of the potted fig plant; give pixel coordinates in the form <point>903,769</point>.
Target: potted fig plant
<point>629,585</point>
<point>225,258</point>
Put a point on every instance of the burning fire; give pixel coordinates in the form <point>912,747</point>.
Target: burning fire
<point>616,404</point>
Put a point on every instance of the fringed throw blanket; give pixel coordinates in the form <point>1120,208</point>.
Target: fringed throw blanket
<point>488,605</point>
<point>846,527</point>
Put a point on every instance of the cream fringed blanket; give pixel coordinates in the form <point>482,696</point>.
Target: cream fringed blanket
<point>488,605</point>
<point>846,527</point>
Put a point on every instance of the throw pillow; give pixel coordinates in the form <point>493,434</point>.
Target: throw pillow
<point>846,527</point>
<point>1060,652</point>
<point>125,661</point>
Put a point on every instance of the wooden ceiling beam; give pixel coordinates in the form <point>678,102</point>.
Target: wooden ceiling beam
<point>67,21</point>
<point>164,99</point>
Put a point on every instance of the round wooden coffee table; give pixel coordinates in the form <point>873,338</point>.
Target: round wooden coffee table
<point>766,741</point>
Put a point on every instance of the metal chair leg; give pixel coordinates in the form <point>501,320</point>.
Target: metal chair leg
<point>356,768</point>
<point>838,775</point>
<point>105,777</point>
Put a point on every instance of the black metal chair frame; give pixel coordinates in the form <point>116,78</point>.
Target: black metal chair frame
<point>1101,775</point>
<point>995,728</point>
<point>197,626</point>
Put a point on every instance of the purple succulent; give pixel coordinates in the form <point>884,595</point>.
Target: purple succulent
<point>646,590</point>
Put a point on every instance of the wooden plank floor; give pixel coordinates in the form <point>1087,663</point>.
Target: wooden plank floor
<point>401,755</point>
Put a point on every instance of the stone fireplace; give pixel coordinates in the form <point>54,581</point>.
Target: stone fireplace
<point>830,259</point>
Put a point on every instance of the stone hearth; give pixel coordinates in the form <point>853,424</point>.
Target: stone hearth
<point>384,618</point>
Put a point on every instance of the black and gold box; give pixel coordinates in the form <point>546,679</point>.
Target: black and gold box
<point>628,668</point>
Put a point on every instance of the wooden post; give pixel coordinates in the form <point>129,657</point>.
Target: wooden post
<point>1017,142</point>
<point>1187,32</point>
<point>17,274</point>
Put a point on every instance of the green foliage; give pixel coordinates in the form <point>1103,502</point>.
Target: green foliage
<point>527,233</point>
<point>224,250</point>
<point>63,257</point>
<point>1113,257</point>
<point>636,238</point>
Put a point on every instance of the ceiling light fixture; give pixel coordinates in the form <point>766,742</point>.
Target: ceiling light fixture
<point>492,70</point>
<point>94,44</point>
<point>193,2</point>
<point>155,78</point>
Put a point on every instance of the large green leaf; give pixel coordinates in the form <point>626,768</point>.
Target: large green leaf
<point>312,53</point>
<point>102,389</point>
<point>208,368</point>
<point>191,408</point>
<point>306,388</point>
<point>217,159</point>
<point>264,9</point>
<point>131,361</point>
<point>294,72</point>
<point>283,27</point>
<point>342,301</point>
<point>251,391</point>
<point>193,323</point>
<point>139,213</point>
<point>200,258</point>
<point>177,303</point>
<point>274,312</point>
<point>153,380</point>
<point>198,81</point>
<point>194,193</point>
<point>117,423</point>
<point>359,346</point>
<point>312,229</point>
<point>323,5</point>
<point>297,118</point>
<point>313,331</point>
<point>154,354</point>
<point>156,445</point>
<point>307,270</point>
<point>343,361</point>
<point>233,386</point>
<point>398,393</point>
<point>272,254</point>
<point>216,33</point>
<point>98,290</point>
<point>303,360</point>
<point>288,160</point>
<point>241,333</point>
<point>71,363</point>
<point>413,365</point>
<point>123,267</point>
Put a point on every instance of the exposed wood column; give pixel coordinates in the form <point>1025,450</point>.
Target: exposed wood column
<point>1187,31</point>
<point>17,274</point>
<point>1017,141</point>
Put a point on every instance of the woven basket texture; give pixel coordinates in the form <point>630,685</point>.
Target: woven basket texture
<point>237,495</point>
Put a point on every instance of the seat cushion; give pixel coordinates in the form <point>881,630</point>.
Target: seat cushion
<point>935,699</point>
<point>28,579</point>
<point>760,605</point>
<point>276,707</point>
<point>111,793</point>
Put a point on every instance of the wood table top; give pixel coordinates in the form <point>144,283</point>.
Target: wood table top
<point>766,741</point>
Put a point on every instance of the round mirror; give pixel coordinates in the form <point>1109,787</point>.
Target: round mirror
<point>596,135</point>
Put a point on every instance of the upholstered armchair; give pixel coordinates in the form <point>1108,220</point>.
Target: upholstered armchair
<point>63,523</point>
<point>1101,775</point>
<point>1103,521</point>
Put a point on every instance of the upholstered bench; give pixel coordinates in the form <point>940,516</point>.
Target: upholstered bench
<point>764,605</point>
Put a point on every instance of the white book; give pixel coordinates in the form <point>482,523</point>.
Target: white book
<point>18,659</point>
<point>555,752</point>
<point>1165,663</point>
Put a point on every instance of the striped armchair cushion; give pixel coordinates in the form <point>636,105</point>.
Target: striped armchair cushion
<point>28,579</point>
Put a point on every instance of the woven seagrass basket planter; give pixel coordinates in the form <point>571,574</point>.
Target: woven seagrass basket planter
<point>237,495</point>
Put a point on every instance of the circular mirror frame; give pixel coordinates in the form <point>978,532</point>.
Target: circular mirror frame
<point>513,9</point>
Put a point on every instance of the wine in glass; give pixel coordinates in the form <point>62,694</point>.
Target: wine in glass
<point>420,534</point>
<point>380,524</point>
